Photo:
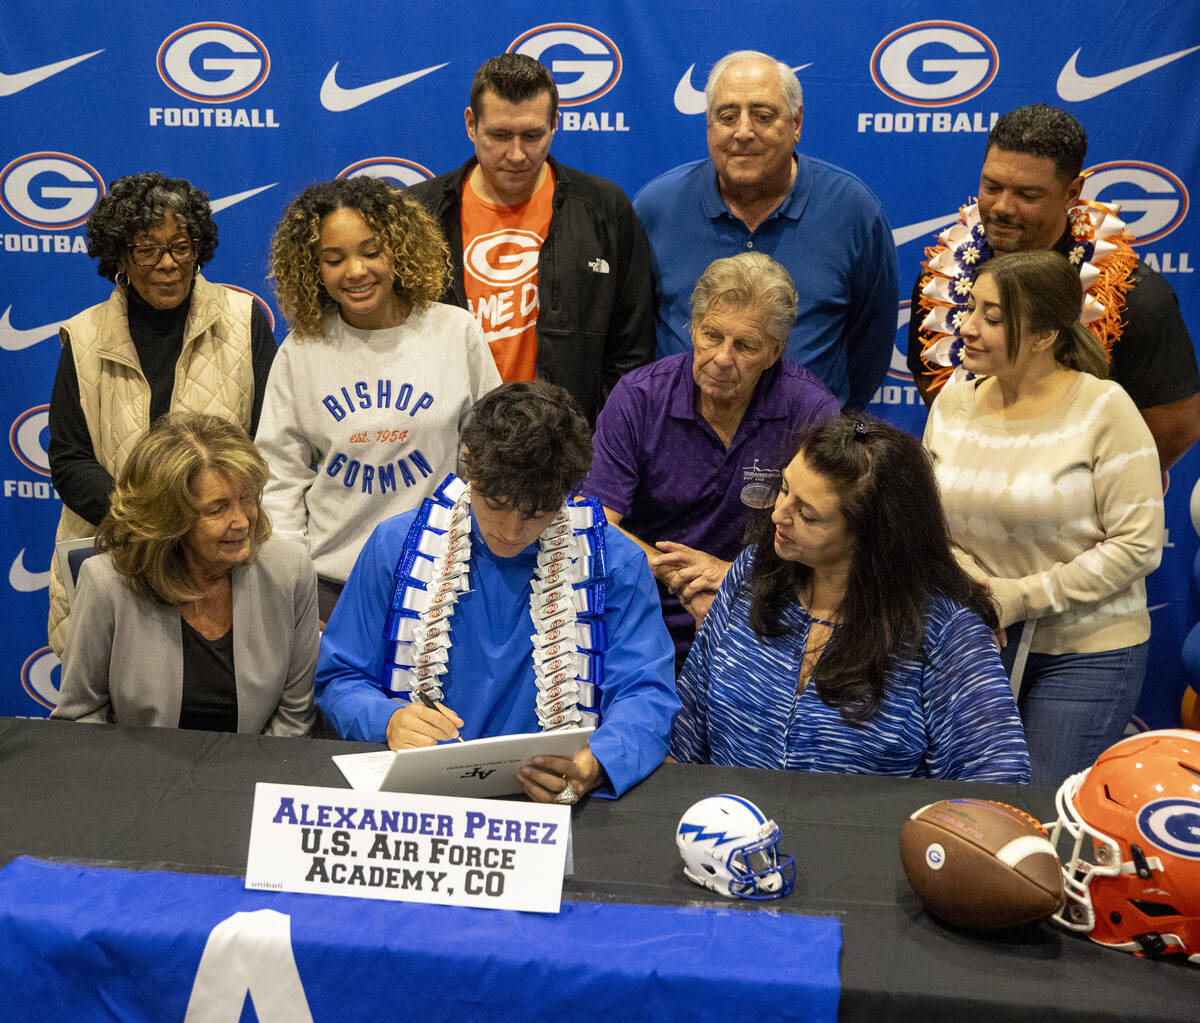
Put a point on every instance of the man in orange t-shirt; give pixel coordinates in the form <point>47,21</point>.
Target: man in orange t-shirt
<point>551,261</point>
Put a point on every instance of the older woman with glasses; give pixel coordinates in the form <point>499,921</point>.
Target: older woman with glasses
<point>193,615</point>
<point>164,340</point>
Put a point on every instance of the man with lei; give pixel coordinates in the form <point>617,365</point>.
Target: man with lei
<point>1029,199</point>
<point>510,609</point>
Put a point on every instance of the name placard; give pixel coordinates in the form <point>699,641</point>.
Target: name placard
<point>488,853</point>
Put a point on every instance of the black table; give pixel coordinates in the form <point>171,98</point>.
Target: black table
<point>176,800</point>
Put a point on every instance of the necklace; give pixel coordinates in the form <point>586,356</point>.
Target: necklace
<point>566,605</point>
<point>1099,248</point>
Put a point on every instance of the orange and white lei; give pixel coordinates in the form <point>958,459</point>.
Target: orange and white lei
<point>1100,247</point>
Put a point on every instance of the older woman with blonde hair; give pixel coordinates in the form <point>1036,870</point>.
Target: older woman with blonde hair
<point>191,615</point>
<point>1053,495</point>
<point>370,388</point>
<point>165,340</point>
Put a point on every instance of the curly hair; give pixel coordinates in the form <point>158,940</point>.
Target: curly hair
<point>411,240</point>
<point>154,506</point>
<point>139,202</point>
<point>750,279</point>
<point>901,559</point>
<point>1044,131</point>
<point>527,444</point>
<point>1040,291</point>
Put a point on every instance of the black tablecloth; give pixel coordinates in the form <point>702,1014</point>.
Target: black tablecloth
<point>178,800</point>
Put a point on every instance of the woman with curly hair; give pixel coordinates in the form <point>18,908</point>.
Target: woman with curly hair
<point>171,615</point>
<point>366,399</point>
<point>847,638</point>
<point>164,340</point>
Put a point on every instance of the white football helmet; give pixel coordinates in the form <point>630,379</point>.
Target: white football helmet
<point>728,846</point>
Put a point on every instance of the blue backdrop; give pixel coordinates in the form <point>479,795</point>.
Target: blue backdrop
<point>253,101</point>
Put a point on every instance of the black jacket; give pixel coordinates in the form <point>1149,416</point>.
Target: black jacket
<point>595,294</point>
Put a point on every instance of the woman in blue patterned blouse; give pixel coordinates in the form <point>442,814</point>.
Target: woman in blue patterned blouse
<point>847,638</point>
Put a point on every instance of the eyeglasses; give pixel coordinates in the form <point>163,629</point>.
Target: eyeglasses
<point>151,255</point>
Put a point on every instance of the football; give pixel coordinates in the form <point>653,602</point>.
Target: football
<point>981,864</point>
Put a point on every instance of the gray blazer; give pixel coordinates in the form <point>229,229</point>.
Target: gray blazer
<point>123,663</point>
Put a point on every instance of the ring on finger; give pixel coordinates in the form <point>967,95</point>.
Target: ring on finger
<point>567,796</point>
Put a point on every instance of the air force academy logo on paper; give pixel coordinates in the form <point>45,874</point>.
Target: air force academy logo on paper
<point>1077,88</point>
<point>11,84</point>
<point>339,98</point>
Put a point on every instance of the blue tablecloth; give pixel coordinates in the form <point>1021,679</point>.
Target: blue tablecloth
<point>87,943</point>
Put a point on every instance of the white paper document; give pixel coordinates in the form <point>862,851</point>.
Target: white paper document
<point>480,767</point>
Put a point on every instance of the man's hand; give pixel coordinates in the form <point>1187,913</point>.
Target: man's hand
<point>698,607</point>
<point>418,725</point>
<point>688,573</point>
<point>543,778</point>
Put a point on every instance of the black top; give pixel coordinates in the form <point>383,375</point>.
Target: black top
<point>158,339</point>
<point>592,327</point>
<point>81,481</point>
<point>209,684</point>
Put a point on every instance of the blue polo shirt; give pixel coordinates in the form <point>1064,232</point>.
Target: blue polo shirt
<point>831,235</point>
<point>658,463</point>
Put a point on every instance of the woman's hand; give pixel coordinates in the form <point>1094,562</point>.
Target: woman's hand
<point>545,778</point>
<point>417,725</point>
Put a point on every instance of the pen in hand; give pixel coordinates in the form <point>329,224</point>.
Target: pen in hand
<point>424,698</point>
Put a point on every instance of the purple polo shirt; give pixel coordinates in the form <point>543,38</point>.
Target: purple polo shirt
<point>657,462</point>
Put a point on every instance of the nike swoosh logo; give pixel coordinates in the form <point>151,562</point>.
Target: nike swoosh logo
<point>1075,88</point>
<point>904,235</point>
<point>690,100</point>
<point>12,84</point>
<point>1155,607</point>
<point>14,340</point>
<point>337,99</point>
<point>24,581</point>
<point>217,205</point>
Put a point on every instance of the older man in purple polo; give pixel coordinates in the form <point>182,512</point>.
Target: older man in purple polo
<point>689,447</point>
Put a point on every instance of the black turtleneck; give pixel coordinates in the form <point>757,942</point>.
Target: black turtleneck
<point>158,338</point>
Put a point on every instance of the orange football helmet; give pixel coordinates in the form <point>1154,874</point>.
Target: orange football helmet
<point>1138,809</point>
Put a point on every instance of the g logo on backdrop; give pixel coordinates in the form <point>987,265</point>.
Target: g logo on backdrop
<point>213,62</point>
<point>50,191</point>
<point>586,65</point>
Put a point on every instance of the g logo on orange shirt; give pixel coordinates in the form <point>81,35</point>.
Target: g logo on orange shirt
<point>503,259</point>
